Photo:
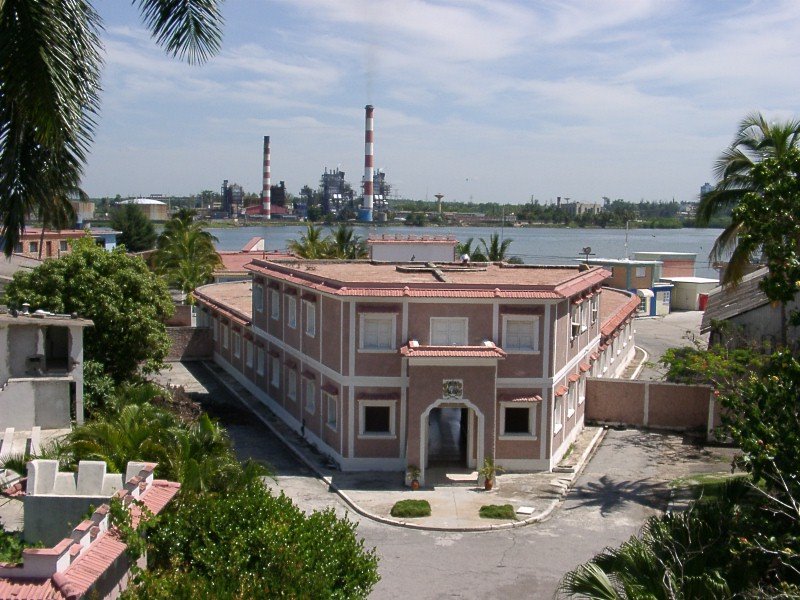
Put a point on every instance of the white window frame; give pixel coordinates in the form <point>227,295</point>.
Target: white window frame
<point>331,416</point>
<point>237,344</point>
<point>643,302</point>
<point>310,395</point>
<point>453,321</point>
<point>581,390</point>
<point>558,416</point>
<point>574,325</point>
<point>291,384</point>
<point>517,319</point>
<point>531,435</point>
<point>258,297</point>
<point>275,304</point>
<point>572,400</point>
<point>260,361</point>
<point>595,308</point>
<point>291,311</point>
<point>392,406</point>
<point>248,353</point>
<point>364,319</point>
<point>226,332</point>
<point>311,318</point>
<point>641,272</point>
<point>275,372</point>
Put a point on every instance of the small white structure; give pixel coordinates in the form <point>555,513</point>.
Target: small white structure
<point>426,248</point>
<point>155,210</point>
<point>41,370</point>
<point>686,291</point>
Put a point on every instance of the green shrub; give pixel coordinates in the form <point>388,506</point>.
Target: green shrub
<point>411,508</point>
<point>498,511</point>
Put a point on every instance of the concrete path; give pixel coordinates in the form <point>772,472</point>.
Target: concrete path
<point>655,335</point>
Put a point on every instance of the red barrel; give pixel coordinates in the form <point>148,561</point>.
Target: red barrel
<point>702,301</point>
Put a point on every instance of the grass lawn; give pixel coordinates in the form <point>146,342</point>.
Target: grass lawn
<point>705,485</point>
<point>498,511</point>
<point>411,509</point>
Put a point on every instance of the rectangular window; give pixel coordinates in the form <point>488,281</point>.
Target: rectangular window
<point>18,247</point>
<point>311,319</point>
<point>311,396</point>
<point>643,305</point>
<point>260,361</point>
<point>595,303</point>
<point>225,336</point>
<point>216,330</point>
<point>275,305</point>
<point>517,419</point>
<point>332,410</point>
<point>640,271</point>
<point>572,400</point>
<point>377,332</point>
<point>248,356</point>
<point>575,325</point>
<point>291,311</point>
<point>33,246</point>
<point>237,345</point>
<point>448,331</point>
<point>557,416</point>
<point>377,418</point>
<point>275,372</point>
<point>258,298</point>
<point>520,334</point>
<point>63,246</point>
<point>291,384</point>
<point>582,390</point>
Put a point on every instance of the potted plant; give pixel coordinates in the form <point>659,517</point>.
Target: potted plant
<point>488,472</point>
<point>413,475</point>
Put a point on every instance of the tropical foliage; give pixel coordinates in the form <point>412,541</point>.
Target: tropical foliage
<point>137,231</point>
<point>247,543</point>
<point>495,250</point>
<point>126,302</point>
<point>756,140</point>
<point>186,256</point>
<point>50,63</point>
<point>341,244</point>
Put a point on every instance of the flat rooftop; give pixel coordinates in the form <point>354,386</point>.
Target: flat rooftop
<point>346,277</point>
<point>235,298</point>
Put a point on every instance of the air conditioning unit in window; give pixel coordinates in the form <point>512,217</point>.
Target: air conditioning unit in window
<point>576,328</point>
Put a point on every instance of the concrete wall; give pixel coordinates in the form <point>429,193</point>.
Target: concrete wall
<point>422,251</point>
<point>189,343</point>
<point>651,404</point>
<point>35,401</point>
<point>181,317</point>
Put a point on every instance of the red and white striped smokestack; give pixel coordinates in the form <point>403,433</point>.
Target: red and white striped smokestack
<point>266,204</point>
<point>369,163</point>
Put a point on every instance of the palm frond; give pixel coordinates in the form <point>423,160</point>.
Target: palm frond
<point>188,29</point>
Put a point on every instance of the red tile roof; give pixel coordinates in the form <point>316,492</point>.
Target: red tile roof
<point>489,350</point>
<point>616,307</point>
<point>28,589</point>
<point>519,398</point>
<point>560,391</point>
<point>234,262</point>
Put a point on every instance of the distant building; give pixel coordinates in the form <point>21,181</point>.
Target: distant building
<point>706,188</point>
<point>397,248</point>
<point>84,212</point>
<point>232,197</point>
<point>673,264</point>
<point>336,192</point>
<point>155,210</point>
<point>54,244</point>
<point>642,277</point>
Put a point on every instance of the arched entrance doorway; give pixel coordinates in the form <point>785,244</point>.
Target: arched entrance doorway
<point>452,435</point>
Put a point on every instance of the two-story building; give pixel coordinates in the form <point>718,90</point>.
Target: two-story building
<point>384,365</point>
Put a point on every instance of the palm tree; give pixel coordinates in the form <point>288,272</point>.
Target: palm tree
<point>311,244</point>
<point>466,248</point>
<point>50,63</point>
<point>185,254</point>
<point>495,250</point>
<point>345,244</point>
<point>755,140</point>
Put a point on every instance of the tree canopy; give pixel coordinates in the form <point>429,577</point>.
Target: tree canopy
<point>138,232</point>
<point>126,301</point>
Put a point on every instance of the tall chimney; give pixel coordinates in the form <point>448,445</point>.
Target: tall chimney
<point>266,204</point>
<point>366,209</point>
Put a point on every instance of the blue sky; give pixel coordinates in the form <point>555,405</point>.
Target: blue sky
<point>475,99</point>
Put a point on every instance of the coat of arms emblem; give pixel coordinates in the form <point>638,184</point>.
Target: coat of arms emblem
<point>452,389</point>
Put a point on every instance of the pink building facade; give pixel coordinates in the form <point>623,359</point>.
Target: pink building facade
<point>367,360</point>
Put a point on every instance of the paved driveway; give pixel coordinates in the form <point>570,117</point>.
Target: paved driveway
<point>623,484</point>
<point>657,334</point>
